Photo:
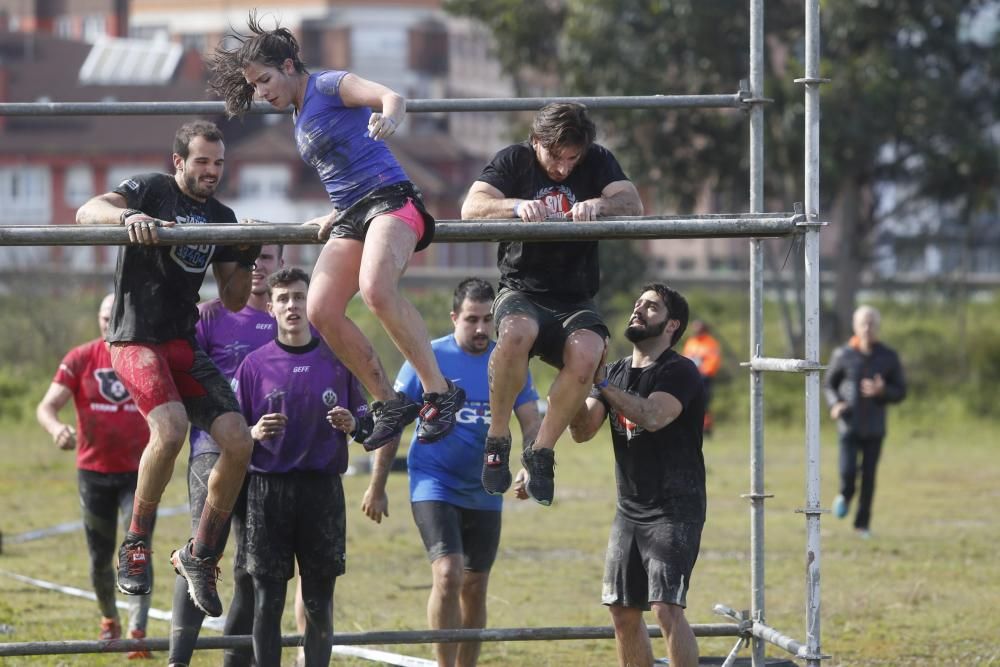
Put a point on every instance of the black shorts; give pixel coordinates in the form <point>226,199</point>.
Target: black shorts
<point>294,516</point>
<point>352,222</point>
<point>649,562</point>
<point>449,529</point>
<point>556,320</point>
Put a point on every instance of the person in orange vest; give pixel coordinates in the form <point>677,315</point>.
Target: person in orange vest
<point>704,350</point>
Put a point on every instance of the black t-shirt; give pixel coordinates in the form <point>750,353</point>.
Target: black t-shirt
<point>156,287</point>
<point>568,270</point>
<point>660,474</point>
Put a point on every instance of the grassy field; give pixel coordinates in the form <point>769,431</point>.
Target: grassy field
<point>921,592</point>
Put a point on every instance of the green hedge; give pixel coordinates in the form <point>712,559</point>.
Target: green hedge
<point>951,354</point>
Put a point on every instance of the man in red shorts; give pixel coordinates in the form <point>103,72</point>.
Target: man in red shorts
<point>154,353</point>
<point>109,437</point>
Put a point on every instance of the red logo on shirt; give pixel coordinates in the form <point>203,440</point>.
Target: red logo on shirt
<point>627,425</point>
<point>558,199</point>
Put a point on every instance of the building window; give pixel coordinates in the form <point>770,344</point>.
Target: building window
<point>25,195</point>
<point>194,42</point>
<point>64,27</point>
<point>94,26</point>
<point>79,186</point>
<point>264,181</point>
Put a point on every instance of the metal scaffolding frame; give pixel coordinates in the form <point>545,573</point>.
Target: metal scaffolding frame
<point>756,225</point>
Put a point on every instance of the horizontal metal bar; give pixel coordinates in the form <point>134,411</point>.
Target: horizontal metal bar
<point>796,648</point>
<point>355,638</point>
<point>783,365</point>
<point>205,108</point>
<point>740,225</point>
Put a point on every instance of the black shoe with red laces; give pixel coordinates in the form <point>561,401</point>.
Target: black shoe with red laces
<point>135,572</point>
<point>202,576</point>
<point>439,413</point>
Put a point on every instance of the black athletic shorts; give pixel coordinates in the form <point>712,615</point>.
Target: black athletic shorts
<point>649,562</point>
<point>352,222</point>
<point>294,516</point>
<point>450,529</point>
<point>556,320</point>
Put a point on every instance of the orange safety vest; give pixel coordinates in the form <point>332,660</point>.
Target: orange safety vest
<point>705,352</point>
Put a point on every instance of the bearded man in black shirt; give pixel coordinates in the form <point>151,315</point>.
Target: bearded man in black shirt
<point>154,353</point>
<point>655,404</point>
<point>545,306</point>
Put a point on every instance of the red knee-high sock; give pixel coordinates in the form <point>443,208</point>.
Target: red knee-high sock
<point>143,517</point>
<point>211,528</point>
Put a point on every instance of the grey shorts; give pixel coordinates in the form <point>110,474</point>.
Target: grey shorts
<point>556,320</point>
<point>449,529</point>
<point>649,562</point>
<point>352,222</point>
<point>294,516</point>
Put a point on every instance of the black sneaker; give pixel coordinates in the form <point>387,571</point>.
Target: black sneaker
<point>202,574</point>
<point>541,478</point>
<point>437,417</point>
<point>135,576</point>
<point>496,467</point>
<point>390,418</point>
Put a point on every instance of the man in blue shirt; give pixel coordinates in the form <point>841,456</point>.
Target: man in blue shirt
<point>458,521</point>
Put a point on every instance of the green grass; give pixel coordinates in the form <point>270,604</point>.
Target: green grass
<point>922,592</point>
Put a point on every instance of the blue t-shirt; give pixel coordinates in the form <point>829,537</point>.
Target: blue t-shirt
<point>450,470</point>
<point>333,138</point>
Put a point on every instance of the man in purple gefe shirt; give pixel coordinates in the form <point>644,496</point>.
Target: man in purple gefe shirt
<point>295,500</point>
<point>226,337</point>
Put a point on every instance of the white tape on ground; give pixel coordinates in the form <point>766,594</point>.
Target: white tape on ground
<point>211,623</point>
<point>72,526</point>
<point>218,624</point>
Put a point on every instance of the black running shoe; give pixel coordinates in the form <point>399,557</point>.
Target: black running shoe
<point>438,415</point>
<point>135,575</point>
<point>202,575</point>
<point>541,478</point>
<point>390,418</point>
<point>496,466</point>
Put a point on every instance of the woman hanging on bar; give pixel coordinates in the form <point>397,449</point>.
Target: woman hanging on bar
<point>377,223</point>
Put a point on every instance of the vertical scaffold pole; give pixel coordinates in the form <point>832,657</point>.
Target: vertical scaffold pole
<point>756,495</point>
<point>812,84</point>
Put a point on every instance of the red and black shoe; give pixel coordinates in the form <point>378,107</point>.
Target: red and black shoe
<point>140,653</point>
<point>439,414</point>
<point>110,629</point>
<point>389,419</point>
<point>135,572</point>
<point>496,465</point>
<point>202,576</point>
